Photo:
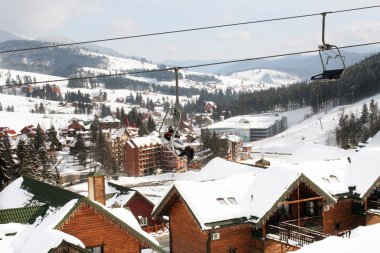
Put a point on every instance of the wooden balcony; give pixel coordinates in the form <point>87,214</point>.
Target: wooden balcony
<point>309,231</point>
<point>314,223</point>
<point>290,233</point>
<point>374,205</point>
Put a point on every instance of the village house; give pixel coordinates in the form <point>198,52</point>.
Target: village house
<point>209,106</point>
<point>75,127</point>
<point>109,122</point>
<point>6,132</point>
<point>99,96</point>
<point>140,206</point>
<point>82,222</point>
<point>30,131</point>
<point>239,208</point>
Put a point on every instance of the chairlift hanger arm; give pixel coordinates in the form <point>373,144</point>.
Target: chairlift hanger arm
<point>324,45</point>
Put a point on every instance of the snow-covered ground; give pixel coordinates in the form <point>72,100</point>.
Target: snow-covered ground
<point>363,239</point>
<point>266,78</point>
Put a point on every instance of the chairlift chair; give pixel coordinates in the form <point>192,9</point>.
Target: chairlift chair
<point>326,53</point>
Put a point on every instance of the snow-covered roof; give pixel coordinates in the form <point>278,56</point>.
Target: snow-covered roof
<point>145,141</point>
<point>109,119</point>
<point>32,238</point>
<point>27,192</point>
<point>227,191</point>
<point>364,170</point>
<point>231,137</point>
<point>260,121</point>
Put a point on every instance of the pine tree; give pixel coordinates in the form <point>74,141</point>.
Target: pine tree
<point>80,149</point>
<point>100,147</point>
<point>5,165</point>
<point>94,129</point>
<point>57,177</point>
<point>365,115</point>
<point>373,117</point>
<point>39,139</point>
<point>47,173</point>
<point>151,125</point>
<point>24,159</point>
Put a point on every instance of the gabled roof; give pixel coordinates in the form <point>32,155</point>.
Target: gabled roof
<point>28,192</point>
<point>249,197</point>
<point>122,195</point>
<point>24,215</point>
<point>25,191</point>
<point>364,171</point>
<point>19,238</point>
<point>69,245</point>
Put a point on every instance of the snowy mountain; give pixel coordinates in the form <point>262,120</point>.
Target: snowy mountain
<point>302,66</point>
<point>265,78</point>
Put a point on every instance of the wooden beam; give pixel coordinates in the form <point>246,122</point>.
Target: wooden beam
<point>298,205</point>
<point>299,201</point>
<point>264,230</point>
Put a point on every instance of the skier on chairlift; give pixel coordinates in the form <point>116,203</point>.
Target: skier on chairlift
<point>183,149</point>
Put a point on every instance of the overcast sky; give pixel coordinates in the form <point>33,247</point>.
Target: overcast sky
<point>82,20</point>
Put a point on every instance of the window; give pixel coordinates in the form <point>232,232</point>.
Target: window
<point>221,201</point>
<point>143,221</point>
<point>232,200</point>
<point>96,249</point>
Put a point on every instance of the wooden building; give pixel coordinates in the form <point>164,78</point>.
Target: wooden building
<point>99,228</point>
<point>109,122</point>
<point>140,206</point>
<point>238,208</point>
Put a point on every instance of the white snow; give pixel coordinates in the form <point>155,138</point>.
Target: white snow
<point>363,239</point>
<point>40,236</point>
<point>13,196</point>
<point>266,77</point>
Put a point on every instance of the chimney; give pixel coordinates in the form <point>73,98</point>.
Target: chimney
<point>96,187</point>
<point>351,189</point>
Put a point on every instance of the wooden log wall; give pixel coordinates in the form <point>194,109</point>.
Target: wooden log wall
<point>93,229</point>
<point>340,217</point>
<point>185,234</point>
<point>238,239</point>
<point>372,219</point>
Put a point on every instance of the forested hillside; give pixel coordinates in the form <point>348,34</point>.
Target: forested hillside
<point>59,61</point>
<point>359,81</point>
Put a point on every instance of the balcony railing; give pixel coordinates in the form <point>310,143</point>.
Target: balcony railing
<point>288,237</point>
<point>314,223</point>
<point>374,204</point>
<point>305,231</point>
<point>290,233</point>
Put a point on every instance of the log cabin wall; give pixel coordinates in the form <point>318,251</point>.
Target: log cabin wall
<point>93,229</point>
<point>372,219</point>
<point>277,247</point>
<point>232,238</point>
<point>340,217</point>
<point>257,245</point>
<point>185,234</point>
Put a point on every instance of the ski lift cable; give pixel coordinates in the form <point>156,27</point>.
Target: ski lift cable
<point>187,30</point>
<point>190,66</point>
